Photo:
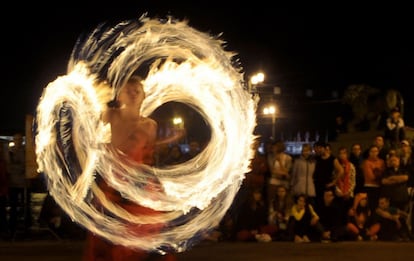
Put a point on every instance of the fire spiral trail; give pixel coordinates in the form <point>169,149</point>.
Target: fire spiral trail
<point>183,65</point>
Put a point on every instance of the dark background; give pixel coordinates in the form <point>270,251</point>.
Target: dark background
<point>298,47</point>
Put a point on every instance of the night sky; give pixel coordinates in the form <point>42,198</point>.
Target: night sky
<point>300,47</point>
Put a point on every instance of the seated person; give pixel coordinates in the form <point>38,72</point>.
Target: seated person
<point>279,212</point>
<point>251,223</point>
<point>58,221</point>
<point>393,221</point>
<point>304,221</point>
<point>361,225</point>
<point>330,214</point>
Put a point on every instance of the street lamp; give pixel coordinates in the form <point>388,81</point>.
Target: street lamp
<point>270,110</point>
<point>178,124</point>
<point>177,121</point>
<point>254,80</point>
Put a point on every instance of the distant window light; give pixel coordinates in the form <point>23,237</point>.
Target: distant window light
<point>309,93</point>
<point>277,90</point>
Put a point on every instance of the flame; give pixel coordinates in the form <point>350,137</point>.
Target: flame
<point>187,66</point>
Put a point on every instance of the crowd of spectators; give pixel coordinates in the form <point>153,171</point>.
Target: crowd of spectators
<point>355,193</point>
<point>352,194</point>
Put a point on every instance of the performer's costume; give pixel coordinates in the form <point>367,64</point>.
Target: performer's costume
<point>98,248</point>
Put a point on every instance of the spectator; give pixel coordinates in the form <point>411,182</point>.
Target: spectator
<point>327,170</point>
<point>3,194</point>
<point>17,182</point>
<point>380,144</point>
<point>280,213</point>
<point>251,223</point>
<point>394,131</point>
<point>53,216</point>
<point>362,225</point>
<point>339,128</point>
<point>304,221</point>
<point>391,152</point>
<point>394,184</point>
<point>255,181</point>
<point>392,220</point>
<point>407,163</point>
<point>259,171</point>
<point>345,184</point>
<point>373,169</point>
<point>330,214</point>
<point>317,147</point>
<point>194,149</point>
<point>356,158</point>
<point>302,174</point>
<point>175,156</point>
<point>280,168</point>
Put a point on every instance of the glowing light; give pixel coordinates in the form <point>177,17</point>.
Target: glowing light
<point>177,120</point>
<point>257,78</point>
<point>269,110</point>
<point>186,66</point>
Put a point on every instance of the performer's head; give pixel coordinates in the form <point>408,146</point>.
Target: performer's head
<point>131,94</point>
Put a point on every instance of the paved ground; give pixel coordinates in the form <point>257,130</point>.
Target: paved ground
<point>44,250</point>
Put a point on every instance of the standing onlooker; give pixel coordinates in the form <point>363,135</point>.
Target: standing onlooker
<point>327,170</point>
<point>391,152</point>
<point>356,157</point>
<point>17,180</point>
<point>259,172</point>
<point>380,144</point>
<point>280,168</point>
<point>373,168</point>
<point>302,174</point>
<point>394,184</point>
<point>3,193</point>
<point>345,184</point>
<point>317,147</point>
